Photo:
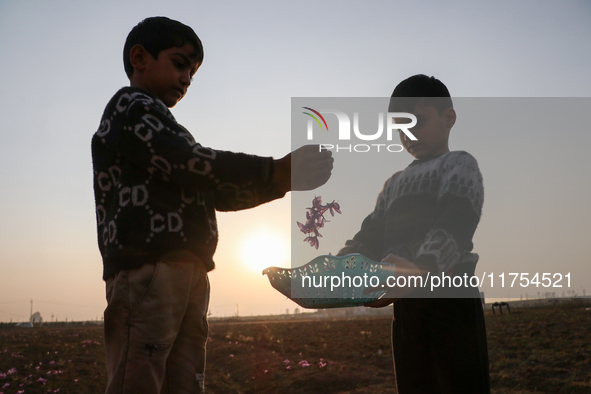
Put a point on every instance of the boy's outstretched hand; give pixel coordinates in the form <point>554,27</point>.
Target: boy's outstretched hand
<point>305,168</point>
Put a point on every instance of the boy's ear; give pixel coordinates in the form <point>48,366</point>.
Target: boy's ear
<point>450,117</point>
<point>138,56</point>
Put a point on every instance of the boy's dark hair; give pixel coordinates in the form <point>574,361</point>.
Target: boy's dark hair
<point>420,90</point>
<point>158,34</point>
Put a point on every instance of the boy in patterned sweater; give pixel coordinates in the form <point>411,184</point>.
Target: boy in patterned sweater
<point>423,222</point>
<point>156,193</point>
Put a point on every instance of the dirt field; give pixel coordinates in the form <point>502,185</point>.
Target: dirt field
<point>532,350</point>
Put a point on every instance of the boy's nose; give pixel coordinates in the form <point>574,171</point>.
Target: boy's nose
<point>186,79</point>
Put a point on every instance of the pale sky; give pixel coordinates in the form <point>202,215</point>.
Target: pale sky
<point>62,61</point>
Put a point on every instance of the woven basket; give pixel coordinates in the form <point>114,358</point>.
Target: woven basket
<point>317,292</point>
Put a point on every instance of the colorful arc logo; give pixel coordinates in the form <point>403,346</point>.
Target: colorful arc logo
<point>315,118</point>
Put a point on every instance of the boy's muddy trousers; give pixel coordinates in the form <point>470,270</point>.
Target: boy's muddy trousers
<point>156,329</point>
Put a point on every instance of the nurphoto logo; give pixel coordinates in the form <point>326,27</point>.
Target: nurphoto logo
<point>344,130</point>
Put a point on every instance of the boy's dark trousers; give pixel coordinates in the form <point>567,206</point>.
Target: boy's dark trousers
<point>439,346</point>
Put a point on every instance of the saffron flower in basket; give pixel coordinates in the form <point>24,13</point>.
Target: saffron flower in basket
<point>315,219</point>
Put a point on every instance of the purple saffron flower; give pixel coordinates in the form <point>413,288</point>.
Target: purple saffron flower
<point>304,364</point>
<point>315,219</point>
<point>313,241</point>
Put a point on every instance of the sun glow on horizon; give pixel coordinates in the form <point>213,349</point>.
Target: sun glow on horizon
<point>263,248</point>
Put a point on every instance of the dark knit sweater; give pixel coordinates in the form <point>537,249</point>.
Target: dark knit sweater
<point>157,190</point>
<point>427,214</point>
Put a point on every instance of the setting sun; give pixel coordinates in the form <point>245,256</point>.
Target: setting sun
<point>263,248</point>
